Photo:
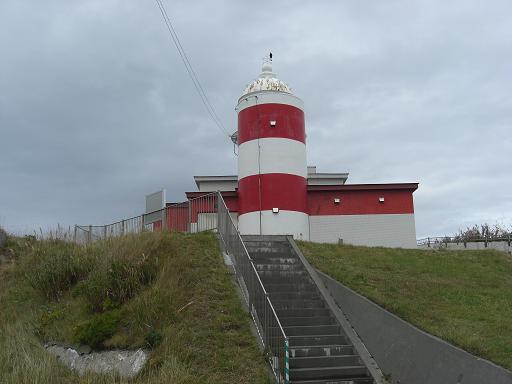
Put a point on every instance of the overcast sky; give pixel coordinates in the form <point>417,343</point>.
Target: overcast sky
<point>97,110</point>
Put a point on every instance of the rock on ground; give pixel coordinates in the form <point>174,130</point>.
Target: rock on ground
<point>125,363</point>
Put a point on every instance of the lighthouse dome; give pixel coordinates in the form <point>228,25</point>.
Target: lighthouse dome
<point>267,81</point>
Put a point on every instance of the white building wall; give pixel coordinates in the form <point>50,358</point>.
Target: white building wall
<point>208,221</point>
<point>396,230</point>
<point>282,223</point>
<point>218,185</point>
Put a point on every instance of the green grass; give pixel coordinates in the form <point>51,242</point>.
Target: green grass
<point>168,292</point>
<point>464,297</point>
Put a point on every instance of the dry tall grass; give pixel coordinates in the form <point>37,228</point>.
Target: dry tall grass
<point>170,292</point>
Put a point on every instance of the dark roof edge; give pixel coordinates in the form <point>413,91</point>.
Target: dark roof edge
<point>361,187</point>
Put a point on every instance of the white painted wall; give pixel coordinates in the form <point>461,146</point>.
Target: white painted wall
<point>207,221</point>
<point>371,230</point>
<point>218,185</point>
<point>282,223</point>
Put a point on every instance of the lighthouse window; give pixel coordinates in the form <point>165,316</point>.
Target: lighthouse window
<point>381,199</point>
<point>273,123</point>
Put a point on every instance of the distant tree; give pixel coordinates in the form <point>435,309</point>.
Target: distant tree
<point>483,231</point>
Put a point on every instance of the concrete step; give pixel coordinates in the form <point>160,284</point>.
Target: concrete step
<point>279,267</point>
<point>297,321</point>
<point>298,304</point>
<point>289,274</point>
<point>303,312</point>
<point>306,330</point>
<point>325,361</point>
<point>277,260</point>
<point>321,350</point>
<point>348,372</point>
<point>336,339</point>
<point>270,253</point>
<point>294,295</point>
<point>289,286</point>
<point>366,380</point>
<point>267,248</point>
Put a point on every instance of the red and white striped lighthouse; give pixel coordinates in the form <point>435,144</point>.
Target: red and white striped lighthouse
<point>272,169</point>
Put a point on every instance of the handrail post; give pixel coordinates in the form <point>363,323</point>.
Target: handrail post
<point>286,360</point>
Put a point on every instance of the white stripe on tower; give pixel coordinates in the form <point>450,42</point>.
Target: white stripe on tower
<point>277,155</point>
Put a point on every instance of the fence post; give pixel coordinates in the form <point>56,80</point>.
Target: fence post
<point>189,216</point>
<point>164,219</point>
<point>286,360</point>
<point>74,235</point>
<point>122,227</point>
<point>89,235</point>
<point>142,223</point>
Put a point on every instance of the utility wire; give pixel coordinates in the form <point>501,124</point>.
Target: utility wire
<point>197,84</point>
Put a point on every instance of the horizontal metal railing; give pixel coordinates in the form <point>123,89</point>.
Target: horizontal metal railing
<point>194,215</point>
<point>267,323</point>
<point>436,241</point>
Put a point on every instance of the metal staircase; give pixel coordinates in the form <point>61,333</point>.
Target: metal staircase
<point>319,349</point>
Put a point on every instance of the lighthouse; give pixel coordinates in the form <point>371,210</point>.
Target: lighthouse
<point>272,168</point>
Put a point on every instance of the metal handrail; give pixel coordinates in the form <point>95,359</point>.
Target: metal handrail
<point>263,313</point>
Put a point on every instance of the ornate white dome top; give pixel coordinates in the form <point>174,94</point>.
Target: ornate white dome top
<point>267,81</point>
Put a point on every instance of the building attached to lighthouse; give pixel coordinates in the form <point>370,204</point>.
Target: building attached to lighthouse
<point>272,167</point>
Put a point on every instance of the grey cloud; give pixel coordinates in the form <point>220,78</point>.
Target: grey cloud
<point>96,108</point>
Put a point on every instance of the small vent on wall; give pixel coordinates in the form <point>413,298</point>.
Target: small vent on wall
<point>275,210</point>
<point>337,200</point>
<point>273,123</point>
<point>381,199</point>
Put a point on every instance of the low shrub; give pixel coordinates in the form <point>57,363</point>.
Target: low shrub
<point>98,329</point>
<point>109,287</point>
<point>153,338</point>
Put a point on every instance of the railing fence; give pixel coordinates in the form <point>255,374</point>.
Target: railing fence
<point>440,241</point>
<point>194,215</point>
<point>262,311</point>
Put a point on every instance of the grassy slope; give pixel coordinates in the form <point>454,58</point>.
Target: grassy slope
<point>464,297</point>
<point>170,291</point>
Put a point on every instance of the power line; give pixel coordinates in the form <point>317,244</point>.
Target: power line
<point>193,76</point>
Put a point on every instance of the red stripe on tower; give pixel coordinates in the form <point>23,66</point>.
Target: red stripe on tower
<point>278,190</point>
<point>255,122</point>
